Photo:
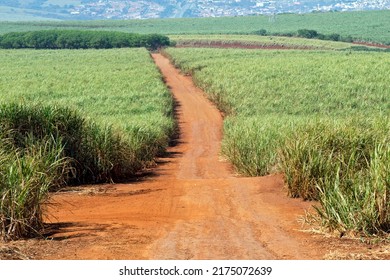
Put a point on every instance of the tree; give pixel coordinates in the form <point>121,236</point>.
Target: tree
<point>78,39</point>
<point>307,33</point>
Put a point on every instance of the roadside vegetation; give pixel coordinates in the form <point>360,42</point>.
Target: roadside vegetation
<point>72,117</point>
<point>320,117</point>
<point>44,148</point>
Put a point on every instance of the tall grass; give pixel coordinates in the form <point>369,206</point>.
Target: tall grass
<point>359,202</point>
<point>326,148</point>
<point>43,148</point>
<point>26,175</point>
<point>99,153</point>
<point>120,90</point>
<point>252,147</point>
<point>321,118</point>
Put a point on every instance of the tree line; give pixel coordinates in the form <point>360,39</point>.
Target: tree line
<point>79,39</point>
<point>307,33</point>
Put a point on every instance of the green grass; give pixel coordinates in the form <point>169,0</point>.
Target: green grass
<point>364,205</point>
<point>25,183</point>
<point>29,168</point>
<point>119,87</point>
<point>320,117</point>
<point>367,25</point>
<point>292,83</point>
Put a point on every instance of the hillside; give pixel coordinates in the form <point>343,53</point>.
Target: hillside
<point>129,9</point>
<point>371,26</point>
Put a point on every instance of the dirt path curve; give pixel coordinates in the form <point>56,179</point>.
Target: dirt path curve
<point>191,206</point>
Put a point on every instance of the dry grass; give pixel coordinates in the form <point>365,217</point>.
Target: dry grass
<point>12,253</point>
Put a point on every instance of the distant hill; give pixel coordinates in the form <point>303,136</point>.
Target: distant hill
<point>28,10</point>
<point>367,26</point>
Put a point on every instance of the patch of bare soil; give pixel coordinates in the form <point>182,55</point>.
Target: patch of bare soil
<point>191,206</point>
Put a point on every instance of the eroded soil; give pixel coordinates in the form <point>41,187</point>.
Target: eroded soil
<point>191,206</point>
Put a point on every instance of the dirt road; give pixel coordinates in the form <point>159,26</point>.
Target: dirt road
<point>191,207</point>
<point>223,217</point>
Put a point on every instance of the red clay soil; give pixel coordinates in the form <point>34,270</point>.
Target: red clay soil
<point>192,206</point>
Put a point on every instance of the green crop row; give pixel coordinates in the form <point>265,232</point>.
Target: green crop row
<point>270,42</point>
<point>320,117</point>
<point>71,117</point>
<point>255,40</point>
<point>119,87</point>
